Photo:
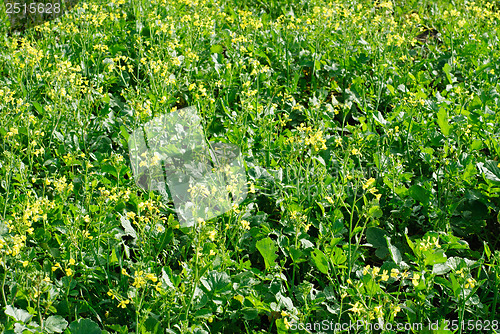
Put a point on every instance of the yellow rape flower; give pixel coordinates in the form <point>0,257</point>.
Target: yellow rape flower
<point>123,303</point>
<point>384,276</point>
<point>415,279</point>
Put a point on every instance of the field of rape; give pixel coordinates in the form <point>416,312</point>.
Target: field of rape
<point>371,142</point>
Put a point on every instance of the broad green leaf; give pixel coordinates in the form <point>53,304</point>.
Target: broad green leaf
<point>113,258</point>
<point>249,313</point>
<point>394,251</point>
<point>38,107</point>
<point>84,326</point>
<point>297,255</point>
<point>268,250</point>
<point>375,212</point>
<point>455,286</point>
<point>433,257</point>
<point>376,237</point>
<point>338,257</point>
<point>447,72</point>
<point>420,194</point>
<point>320,260</point>
<point>55,324</point>
<point>281,327</point>
<point>442,120</point>
<point>410,243</point>
<point>127,226</point>
<point>469,172</point>
<point>216,48</point>
<point>17,314</point>
<point>490,171</point>
<point>440,269</point>
<point>216,282</point>
<point>390,88</point>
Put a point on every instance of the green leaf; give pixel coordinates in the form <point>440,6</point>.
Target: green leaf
<point>320,260</point>
<point>375,212</point>
<point>394,251</point>
<point>390,88</point>
<point>338,257</point>
<point>281,327</point>
<point>84,326</point>
<point>217,48</point>
<point>249,313</point>
<point>268,250</point>
<point>113,258</point>
<point>447,71</point>
<point>455,286</point>
<point>124,133</point>
<point>55,324</point>
<point>469,172</point>
<point>490,171</point>
<point>376,237</point>
<point>38,107</point>
<point>442,120</point>
<point>216,283</point>
<point>296,254</point>
<point>487,250</point>
<point>433,257</point>
<point>440,269</point>
<point>420,194</point>
<point>17,314</point>
<point>127,226</point>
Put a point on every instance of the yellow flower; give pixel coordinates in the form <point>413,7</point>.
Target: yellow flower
<point>415,279</point>
<point>139,280</point>
<point>69,272</point>
<point>245,224</point>
<point>470,283</point>
<point>357,308</point>
<point>378,311</point>
<point>384,276</point>
<point>123,303</point>
<point>151,277</point>
<point>355,151</point>
<point>394,272</point>
<point>72,262</point>
<point>287,324</point>
<point>111,294</point>
<point>365,269</point>
<point>56,266</point>
<point>25,263</point>
<point>397,309</point>
<point>369,183</point>
<point>375,271</point>
<point>212,234</point>
<point>124,272</point>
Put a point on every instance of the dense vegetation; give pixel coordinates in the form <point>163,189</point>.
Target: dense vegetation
<point>371,136</point>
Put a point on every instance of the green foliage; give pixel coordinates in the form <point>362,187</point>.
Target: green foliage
<point>370,133</point>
